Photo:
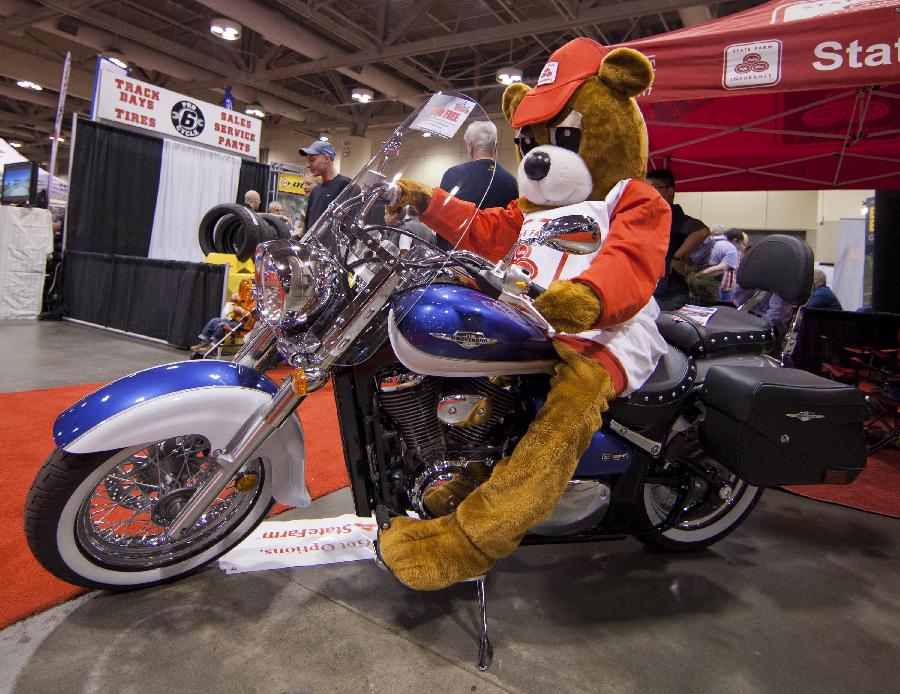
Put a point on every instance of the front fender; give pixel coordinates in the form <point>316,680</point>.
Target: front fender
<point>205,397</point>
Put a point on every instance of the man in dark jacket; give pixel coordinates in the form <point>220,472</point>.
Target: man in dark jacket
<point>320,162</point>
<point>685,237</point>
<point>822,296</point>
<point>481,173</point>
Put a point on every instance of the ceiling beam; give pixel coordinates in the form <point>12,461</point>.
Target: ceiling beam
<point>25,18</point>
<point>630,9</point>
<point>191,57</point>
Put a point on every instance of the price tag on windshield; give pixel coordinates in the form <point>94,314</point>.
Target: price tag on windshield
<point>442,115</point>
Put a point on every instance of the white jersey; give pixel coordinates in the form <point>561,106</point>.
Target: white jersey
<point>636,343</point>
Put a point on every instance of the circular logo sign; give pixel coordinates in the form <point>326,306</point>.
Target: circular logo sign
<point>188,118</point>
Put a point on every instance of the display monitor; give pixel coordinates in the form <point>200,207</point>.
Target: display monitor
<point>20,183</point>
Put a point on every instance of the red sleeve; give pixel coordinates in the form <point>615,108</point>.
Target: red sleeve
<point>492,233</point>
<point>632,258</point>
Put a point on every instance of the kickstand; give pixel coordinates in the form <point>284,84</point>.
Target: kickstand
<point>485,649</point>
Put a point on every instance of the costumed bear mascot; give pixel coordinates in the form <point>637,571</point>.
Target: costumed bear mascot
<point>583,147</point>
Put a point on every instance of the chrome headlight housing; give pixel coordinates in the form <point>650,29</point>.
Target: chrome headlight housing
<point>293,283</point>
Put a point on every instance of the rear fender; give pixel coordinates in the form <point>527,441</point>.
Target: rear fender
<point>205,397</point>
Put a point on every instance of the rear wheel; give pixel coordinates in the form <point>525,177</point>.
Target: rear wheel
<point>715,502</point>
<point>99,519</point>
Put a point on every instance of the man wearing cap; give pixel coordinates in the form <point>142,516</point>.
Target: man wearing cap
<point>320,162</point>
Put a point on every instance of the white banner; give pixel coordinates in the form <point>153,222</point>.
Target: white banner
<point>130,101</point>
<point>282,544</point>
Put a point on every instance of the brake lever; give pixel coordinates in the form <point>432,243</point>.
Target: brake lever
<point>518,291</point>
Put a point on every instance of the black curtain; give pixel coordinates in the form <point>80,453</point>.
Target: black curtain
<point>112,192</point>
<point>253,176</point>
<point>167,299</point>
<point>885,287</point>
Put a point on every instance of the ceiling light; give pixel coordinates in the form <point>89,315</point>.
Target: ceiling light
<point>362,95</point>
<point>225,29</point>
<point>25,84</point>
<point>61,138</point>
<point>255,109</point>
<point>508,75</point>
<point>426,134</point>
<point>15,144</point>
<point>324,138</point>
<point>115,56</point>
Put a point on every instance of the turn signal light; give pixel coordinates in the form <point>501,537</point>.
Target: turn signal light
<point>298,382</point>
<point>246,481</point>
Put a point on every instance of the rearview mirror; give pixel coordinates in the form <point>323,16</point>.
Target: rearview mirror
<point>576,234</point>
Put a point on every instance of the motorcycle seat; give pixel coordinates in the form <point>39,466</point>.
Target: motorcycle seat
<point>660,398</point>
<point>727,331</point>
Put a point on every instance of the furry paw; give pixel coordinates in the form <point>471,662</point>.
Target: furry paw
<point>570,307</point>
<point>413,193</point>
<point>431,554</point>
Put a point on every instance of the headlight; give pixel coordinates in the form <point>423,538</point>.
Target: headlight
<point>293,282</point>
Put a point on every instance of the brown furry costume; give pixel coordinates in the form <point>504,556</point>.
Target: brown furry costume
<point>487,524</point>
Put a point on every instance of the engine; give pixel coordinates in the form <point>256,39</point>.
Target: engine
<point>449,427</point>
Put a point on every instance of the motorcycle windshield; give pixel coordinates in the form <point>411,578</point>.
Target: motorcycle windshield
<point>327,294</point>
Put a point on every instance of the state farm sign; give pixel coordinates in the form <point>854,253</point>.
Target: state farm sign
<point>132,102</point>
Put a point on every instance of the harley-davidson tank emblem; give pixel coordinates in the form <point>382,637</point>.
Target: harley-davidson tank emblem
<point>466,338</point>
<point>805,416</point>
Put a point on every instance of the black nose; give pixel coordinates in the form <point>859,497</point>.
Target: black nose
<point>537,165</point>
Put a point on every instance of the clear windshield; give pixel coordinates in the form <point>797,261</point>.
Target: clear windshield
<point>365,248</point>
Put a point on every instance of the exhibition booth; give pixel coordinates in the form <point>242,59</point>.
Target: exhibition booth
<point>143,174</point>
<point>783,96</point>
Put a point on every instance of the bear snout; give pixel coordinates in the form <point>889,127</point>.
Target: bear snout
<point>537,165</point>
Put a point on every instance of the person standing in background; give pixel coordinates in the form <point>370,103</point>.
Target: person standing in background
<point>481,172</point>
<point>276,208</point>
<point>822,296</point>
<point>685,236</point>
<point>320,162</point>
<point>252,200</point>
<point>310,183</point>
<point>719,256</point>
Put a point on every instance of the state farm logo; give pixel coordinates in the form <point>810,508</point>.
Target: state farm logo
<point>188,118</point>
<point>548,74</point>
<point>756,64</point>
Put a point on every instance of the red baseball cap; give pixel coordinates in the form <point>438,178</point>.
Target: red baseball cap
<point>565,71</point>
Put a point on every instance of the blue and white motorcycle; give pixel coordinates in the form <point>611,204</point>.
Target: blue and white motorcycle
<point>439,362</point>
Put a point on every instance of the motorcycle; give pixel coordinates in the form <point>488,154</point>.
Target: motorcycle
<point>439,362</point>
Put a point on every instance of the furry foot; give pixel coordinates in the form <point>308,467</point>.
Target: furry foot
<point>431,554</point>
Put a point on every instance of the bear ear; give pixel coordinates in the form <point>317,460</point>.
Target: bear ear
<point>626,71</point>
<point>512,97</point>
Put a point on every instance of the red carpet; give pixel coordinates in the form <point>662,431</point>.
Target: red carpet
<point>877,489</point>
<point>25,588</point>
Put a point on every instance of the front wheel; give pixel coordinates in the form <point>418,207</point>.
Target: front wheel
<point>99,519</point>
<point>716,502</point>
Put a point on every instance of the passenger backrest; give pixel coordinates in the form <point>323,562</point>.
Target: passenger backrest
<point>781,264</point>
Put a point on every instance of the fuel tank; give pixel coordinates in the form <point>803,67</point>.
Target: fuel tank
<point>452,330</point>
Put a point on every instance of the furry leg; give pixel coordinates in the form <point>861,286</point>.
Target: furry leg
<point>521,491</point>
<point>444,499</point>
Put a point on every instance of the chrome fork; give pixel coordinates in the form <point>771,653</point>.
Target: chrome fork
<point>242,447</point>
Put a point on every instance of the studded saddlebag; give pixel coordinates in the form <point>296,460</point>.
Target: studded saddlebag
<point>783,426</point>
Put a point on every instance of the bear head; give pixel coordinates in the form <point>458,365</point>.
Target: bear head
<point>580,130</point>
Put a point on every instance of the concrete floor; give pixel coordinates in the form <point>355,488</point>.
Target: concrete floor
<point>804,597</point>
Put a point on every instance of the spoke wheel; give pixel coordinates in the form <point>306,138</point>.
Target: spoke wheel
<point>716,503</point>
<point>100,519</point>
<point>123,521</point>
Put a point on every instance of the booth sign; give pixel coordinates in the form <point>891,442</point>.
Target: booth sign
<point>290,183</point>
<point>129,101</point>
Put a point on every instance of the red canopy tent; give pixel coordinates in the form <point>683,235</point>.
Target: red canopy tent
<point>784,96</point>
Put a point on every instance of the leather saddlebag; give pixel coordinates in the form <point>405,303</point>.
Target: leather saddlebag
<point>783,426</point>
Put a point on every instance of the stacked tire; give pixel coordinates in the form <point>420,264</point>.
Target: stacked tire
<point>236,229</point>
